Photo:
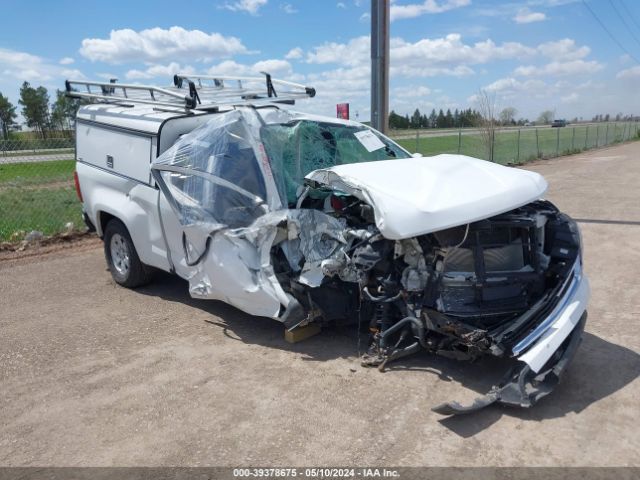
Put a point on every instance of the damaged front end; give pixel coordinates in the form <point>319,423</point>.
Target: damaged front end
<point>509,286</point>
<point>447,254</point>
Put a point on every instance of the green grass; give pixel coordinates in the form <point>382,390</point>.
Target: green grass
<point>37,196</point>
<point>35,173</point>
<point>513,147</point>
<point>46,210</point>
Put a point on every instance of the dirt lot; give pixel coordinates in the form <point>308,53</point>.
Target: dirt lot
<point>94,374</point>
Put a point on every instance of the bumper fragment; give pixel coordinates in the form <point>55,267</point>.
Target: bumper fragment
<point>521,386</point>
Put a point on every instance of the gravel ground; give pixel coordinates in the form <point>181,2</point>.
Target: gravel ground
<point>92,374</point>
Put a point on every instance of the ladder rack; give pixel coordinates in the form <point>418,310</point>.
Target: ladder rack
<point>193,92</point>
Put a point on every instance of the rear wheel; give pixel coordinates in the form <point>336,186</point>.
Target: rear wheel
<point>123,261</point>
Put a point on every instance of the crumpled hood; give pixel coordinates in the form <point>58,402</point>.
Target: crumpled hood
<point>415,196</point>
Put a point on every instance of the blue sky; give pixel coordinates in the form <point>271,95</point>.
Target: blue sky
<point>533,55</point>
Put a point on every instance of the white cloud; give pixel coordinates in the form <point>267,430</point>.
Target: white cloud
<point>294,54</point>
<point>156,44</point>
<point>629,73</point>
<point>571,98</point>
<point>510,85</point>
<point>573,67</point>
<point>451,51</point>
<point>24,66</point>
<point>341,5</point>
<point>525,15</point>
<point>276,67</point>
<point>288,8</point>
<point>413,10</point>
<point>66,61</point>
<point>426,57</point>
<point>249,6</point>
<point>412,91</point>
<point>156,71</point>
<point>354,52</point>
<point>565,49</point>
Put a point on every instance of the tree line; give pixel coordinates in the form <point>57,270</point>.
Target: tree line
<point>441,119</point>
<point>39,113</point>
<point>473,118</point>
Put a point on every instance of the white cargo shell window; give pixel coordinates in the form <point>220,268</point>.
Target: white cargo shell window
<point>125,153</point>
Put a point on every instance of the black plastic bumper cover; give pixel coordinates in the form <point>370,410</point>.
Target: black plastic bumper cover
<point>522,387</point>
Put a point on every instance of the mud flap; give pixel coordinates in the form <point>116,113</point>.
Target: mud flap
<point>521,387</point>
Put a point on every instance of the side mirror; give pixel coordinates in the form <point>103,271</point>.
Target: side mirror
<point>416,155</point>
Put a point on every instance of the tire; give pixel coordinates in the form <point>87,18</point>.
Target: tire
<point>123,261</point>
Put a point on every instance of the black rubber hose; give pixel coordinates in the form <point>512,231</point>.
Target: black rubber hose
<point>405,321</point>
<point>404,352</point>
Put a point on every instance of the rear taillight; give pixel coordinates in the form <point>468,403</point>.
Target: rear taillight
<point>77,183</point>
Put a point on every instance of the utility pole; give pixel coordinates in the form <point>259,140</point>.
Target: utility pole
<point>380,65</point>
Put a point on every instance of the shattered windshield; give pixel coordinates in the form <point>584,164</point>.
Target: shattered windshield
<point>297,148</point>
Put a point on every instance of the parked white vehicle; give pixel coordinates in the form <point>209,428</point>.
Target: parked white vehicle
<point>309,219</point>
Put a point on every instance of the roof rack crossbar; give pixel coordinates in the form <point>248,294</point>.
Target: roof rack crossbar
<point>193,92</point>
<point>111,92</point>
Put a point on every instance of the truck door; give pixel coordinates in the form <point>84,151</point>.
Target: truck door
<point>213,187</point>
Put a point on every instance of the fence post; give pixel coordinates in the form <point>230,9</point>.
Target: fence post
<point>573,140</point>
<point>557,141</point>
<point>518,154</point>
<point>597,135</point>
<point>606,135</point>
<point>417,141</point>
<point>493,143</point>
<point>459,139</point>
<point>537,144</point>
<point>586,138</point>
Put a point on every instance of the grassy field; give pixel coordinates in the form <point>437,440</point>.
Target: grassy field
<point>29,173</point>
<point>37,196</point>
<point>515,146</point>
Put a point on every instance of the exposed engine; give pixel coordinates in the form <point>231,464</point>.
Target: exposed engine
<point>460,292</point>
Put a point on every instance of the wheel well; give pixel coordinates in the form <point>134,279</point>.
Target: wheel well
<point>104,218</point>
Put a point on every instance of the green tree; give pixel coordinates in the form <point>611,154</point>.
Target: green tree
<point>63,112</point>
<point>508,116</point>
<point>448,119</point>
<point>7,115</point>
<point>35,107</point>
<point>546,117</point>
<point>415,119</point>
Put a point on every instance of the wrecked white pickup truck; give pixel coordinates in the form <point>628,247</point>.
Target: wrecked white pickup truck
<point>309,219</point>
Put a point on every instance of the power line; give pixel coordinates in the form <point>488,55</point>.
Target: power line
<point>604,27</point>
<point>615,9</point>
<point>630,14</point>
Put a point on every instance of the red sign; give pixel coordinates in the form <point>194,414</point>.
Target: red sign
<point>342,110</point>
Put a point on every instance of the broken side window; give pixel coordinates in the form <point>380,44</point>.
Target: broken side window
<point>212,175</point>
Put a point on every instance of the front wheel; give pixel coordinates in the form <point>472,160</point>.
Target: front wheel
<point>123,261</point>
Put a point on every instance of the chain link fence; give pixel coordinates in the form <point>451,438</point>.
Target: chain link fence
<point>38,197</point>
<point>520,145</point>
<point>37,192</point>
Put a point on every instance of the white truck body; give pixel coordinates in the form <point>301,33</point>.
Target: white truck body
<point>161,172</point>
